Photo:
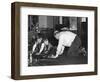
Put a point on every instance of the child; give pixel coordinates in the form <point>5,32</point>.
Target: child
<point>47,49</point>
<point>35,49</point>
<point>43,50</point>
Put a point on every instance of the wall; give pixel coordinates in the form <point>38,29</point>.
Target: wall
<point>73,23</point>
<point>43,21</point>
<point>49,21</point>
<point>5,40</point>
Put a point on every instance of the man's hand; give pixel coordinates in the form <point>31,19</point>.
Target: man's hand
<point>54,56</point>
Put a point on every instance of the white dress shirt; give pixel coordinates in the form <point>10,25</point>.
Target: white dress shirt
<point>65,39</point>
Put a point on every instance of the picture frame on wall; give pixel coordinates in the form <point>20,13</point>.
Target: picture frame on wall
<point>53,40</point>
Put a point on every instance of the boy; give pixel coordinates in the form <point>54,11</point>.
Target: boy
<point>47,49</point>
<point>36,49</point>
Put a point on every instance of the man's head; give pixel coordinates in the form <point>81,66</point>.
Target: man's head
<point>59,28</point>
<point>56,34</point>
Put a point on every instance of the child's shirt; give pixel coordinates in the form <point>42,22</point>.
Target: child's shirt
<point>45,48</point>
<point>36,47</point>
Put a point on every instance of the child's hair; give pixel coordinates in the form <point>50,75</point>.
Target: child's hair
<point>45,38</point>
<point>39,35</point>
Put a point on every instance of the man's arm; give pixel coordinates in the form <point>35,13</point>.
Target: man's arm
<point>62,50</point>
<point>60,46</point>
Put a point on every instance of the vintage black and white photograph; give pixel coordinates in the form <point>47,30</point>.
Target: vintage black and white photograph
<point>50,40</point>
<point>57,40</point>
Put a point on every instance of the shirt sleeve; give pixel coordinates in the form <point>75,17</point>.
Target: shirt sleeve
<point>42,47</point>
<point>62,50</point>
<point>60,46</point>
<point>34,46</point>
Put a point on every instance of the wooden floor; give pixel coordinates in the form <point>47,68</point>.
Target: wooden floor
<point>62,60</point>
